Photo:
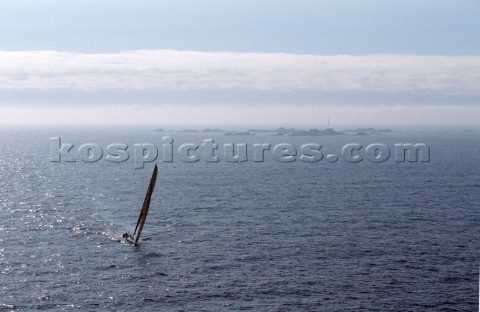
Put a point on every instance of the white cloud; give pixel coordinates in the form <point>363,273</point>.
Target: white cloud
<point>261,116</point>
<point>408,80</point>
<point>170,70</point>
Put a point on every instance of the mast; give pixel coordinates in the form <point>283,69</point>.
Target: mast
<point>146,206</point>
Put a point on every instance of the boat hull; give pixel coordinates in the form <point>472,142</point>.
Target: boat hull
<point>129,240</point>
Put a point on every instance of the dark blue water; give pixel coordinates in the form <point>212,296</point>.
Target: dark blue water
<point>263,236</point>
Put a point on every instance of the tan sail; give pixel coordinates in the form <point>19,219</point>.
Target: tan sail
<point>146,206</point>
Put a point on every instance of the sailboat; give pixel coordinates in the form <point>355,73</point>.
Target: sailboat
<point>133,239</point>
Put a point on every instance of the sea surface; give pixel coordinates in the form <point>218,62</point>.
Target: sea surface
<point>233,236</point>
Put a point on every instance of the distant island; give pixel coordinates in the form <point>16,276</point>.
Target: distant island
<point>260,130</point>
<point>316,132</point>
<point>282,131</point>
<point>366,131</point>
<point>238,133</point>
<point>212,130</point>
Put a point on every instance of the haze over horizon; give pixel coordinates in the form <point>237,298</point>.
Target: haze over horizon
<point>275,63</point>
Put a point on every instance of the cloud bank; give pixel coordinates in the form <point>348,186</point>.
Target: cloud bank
<point>170,70</point>
<point>180,87</point>
<point>155,116</point>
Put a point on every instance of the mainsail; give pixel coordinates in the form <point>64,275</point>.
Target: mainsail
<point>146,206</point>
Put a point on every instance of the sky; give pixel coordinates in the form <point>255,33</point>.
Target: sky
<point>359,62</point>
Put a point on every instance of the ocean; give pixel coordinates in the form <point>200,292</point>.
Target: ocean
<point>330,235</point>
